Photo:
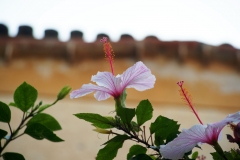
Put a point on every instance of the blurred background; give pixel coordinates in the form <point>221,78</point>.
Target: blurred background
<point>50,44</point>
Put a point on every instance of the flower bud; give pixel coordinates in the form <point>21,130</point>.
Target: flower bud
<point>236,132</point>
<point>102,131</point>
<point>64,91</point>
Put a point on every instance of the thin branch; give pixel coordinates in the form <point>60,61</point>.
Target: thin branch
<point>136,138</point>
<point>151,140</point>
<point>144,134</point>
<point>142,137</point>
<point>18,136</point>
<point>10,128</point>
<point>149,137</point>
<point>115,133</point>
<point>23,116</point>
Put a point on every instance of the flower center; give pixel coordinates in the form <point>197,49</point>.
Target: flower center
<point>109,54</point>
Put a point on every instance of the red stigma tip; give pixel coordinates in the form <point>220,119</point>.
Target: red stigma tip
<point>180,83</point>
<point>104,40</point>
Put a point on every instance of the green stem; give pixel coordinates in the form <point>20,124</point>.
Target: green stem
<point>219,150</point>
<point>54,102</point>
<point>118,103</point>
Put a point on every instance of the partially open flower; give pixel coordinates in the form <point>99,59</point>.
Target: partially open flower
<point>197,134</point>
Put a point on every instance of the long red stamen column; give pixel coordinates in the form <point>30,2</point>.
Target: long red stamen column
<point>109,54</point>
<point>185,96</point>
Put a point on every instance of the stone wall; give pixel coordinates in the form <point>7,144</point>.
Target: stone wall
<point>76,49</point>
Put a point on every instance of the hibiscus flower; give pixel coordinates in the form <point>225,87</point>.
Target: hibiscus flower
<point>138,76</point>
<point>197,134</point>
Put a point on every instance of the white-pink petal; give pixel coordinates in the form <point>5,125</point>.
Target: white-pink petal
<point>235,117</point>
<point>99,95</point>
<point>184,143</point>
<point>138,77</point>
<point>105,79</point>
<point>87,89</point>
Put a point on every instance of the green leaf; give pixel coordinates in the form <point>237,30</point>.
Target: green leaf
<point>96,120</point>
<point>229,156</point>
<point>135,150</point>
<point>195,155</point>
<point>217,156</point>
<point>39,132</point>
<point>164,129</point>
<point>5,113</point>
<point>12,156</point>
<point>165,125</point>
<point>126,114</point>
<point>160,121</point>
<point>46,120</point>
<point>109,152</point>
<point>144,112</point>
<point>2,134</point>
<point>141,157</point>
<point>25,96</point>
<point>235,153</point>
<point>158,140</point>
<point>64,91</point>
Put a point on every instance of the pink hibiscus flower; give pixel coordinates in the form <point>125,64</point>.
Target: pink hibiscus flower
<point>196,135</point>
<point>138,76</point>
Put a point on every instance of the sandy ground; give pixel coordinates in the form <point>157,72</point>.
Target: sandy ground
<point>215,89</point>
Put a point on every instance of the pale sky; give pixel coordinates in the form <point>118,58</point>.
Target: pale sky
<point>210,21</point>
